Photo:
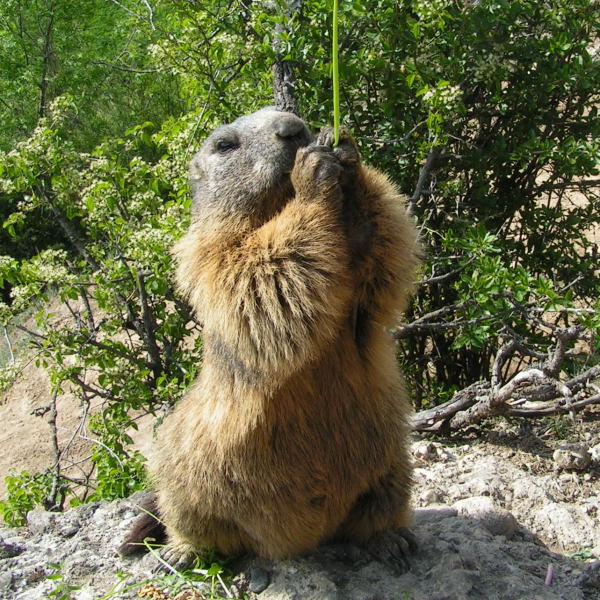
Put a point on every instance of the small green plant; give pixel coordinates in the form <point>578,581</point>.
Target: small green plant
<point>24,492</point>
<point>208,576</point>
<point>586,555</point>
<point>63,589</point>
<point>8,375</point>
<point>560,427</point>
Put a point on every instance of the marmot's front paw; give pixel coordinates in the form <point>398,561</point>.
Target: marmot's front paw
<point>393,548</point>
<point>346,150</point>
<point>316,172</point>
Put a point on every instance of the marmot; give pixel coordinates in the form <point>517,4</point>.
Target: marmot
<point>295,432</point>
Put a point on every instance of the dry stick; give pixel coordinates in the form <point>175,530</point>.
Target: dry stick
<point>9,345</point>
<point>494,402</point>
<point>481,400</point>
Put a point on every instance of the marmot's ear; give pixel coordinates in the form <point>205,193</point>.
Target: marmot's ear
<point>196,170</point>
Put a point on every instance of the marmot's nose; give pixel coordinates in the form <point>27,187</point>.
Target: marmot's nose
<point>289,126</point>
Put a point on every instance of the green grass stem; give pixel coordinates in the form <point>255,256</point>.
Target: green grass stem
<point>336,76</point>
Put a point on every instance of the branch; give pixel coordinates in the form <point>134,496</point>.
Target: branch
<point>404,138</point>
<point>543,409</point>
<point>534,392</point>
<point>433,418</point>
<point>563,337</point>
<point>127,10</point>
<point>103,63</point>
<point>50,502</point>
<point>570,185</point>
<point>407,329</point>
<point>284,80</point>
<point>424,175</point>
<point>9,345</point>
<point>44,192</point>
<point>445,276</point>
<point>150,326</point>
<point>494,402</point>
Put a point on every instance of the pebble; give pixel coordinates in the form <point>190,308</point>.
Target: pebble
<point>259,580</point>
<point>428,451</point>
<point>5,581</point>
<point>9,550</point>
<point>572,456</point>
<point>430,497</point>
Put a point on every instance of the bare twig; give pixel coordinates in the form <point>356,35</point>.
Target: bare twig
<point>9,346</point>
<point>445,276</point>
<point>127,69</point>
<point>150,327</point>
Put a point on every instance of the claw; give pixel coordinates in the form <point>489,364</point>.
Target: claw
<point>175,557</point>
<point>394,548</point>
<point>325,137</point>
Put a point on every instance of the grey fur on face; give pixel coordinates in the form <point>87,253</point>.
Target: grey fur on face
<point>257,151</point>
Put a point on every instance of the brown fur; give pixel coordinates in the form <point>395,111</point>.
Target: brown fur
<point>295,432</point>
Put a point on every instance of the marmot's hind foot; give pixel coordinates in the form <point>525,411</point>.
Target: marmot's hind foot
<point>393,548</point>
<point>176,557</point>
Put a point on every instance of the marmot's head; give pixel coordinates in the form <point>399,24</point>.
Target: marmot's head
<point>243,169</point>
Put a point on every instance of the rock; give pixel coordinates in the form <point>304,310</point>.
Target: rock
<point>495,519</point>
<point>427,451</point>
<point>570,525</point>
<point>40,521</point>
<point>431,497</point>
<point>295,580</point>
<point>259,580</point>
<point>572,456</point>
<point>460,552</point>
<point>434,513</point>
<point>595,453</point>
<point>9,550</point>
<point>5,583</point>
<point>591,575</point>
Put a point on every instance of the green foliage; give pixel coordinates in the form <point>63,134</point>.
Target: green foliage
<point>207,569</point>
<point>24,492</point>
<point>97,52</point>
<point>208,574</point>
<point>119,473</point>
<point>122,212</point>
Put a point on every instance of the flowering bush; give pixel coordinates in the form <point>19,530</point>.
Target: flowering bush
<point>124,342</point>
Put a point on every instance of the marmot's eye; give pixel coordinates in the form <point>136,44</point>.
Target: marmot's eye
<point>226,145</point>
